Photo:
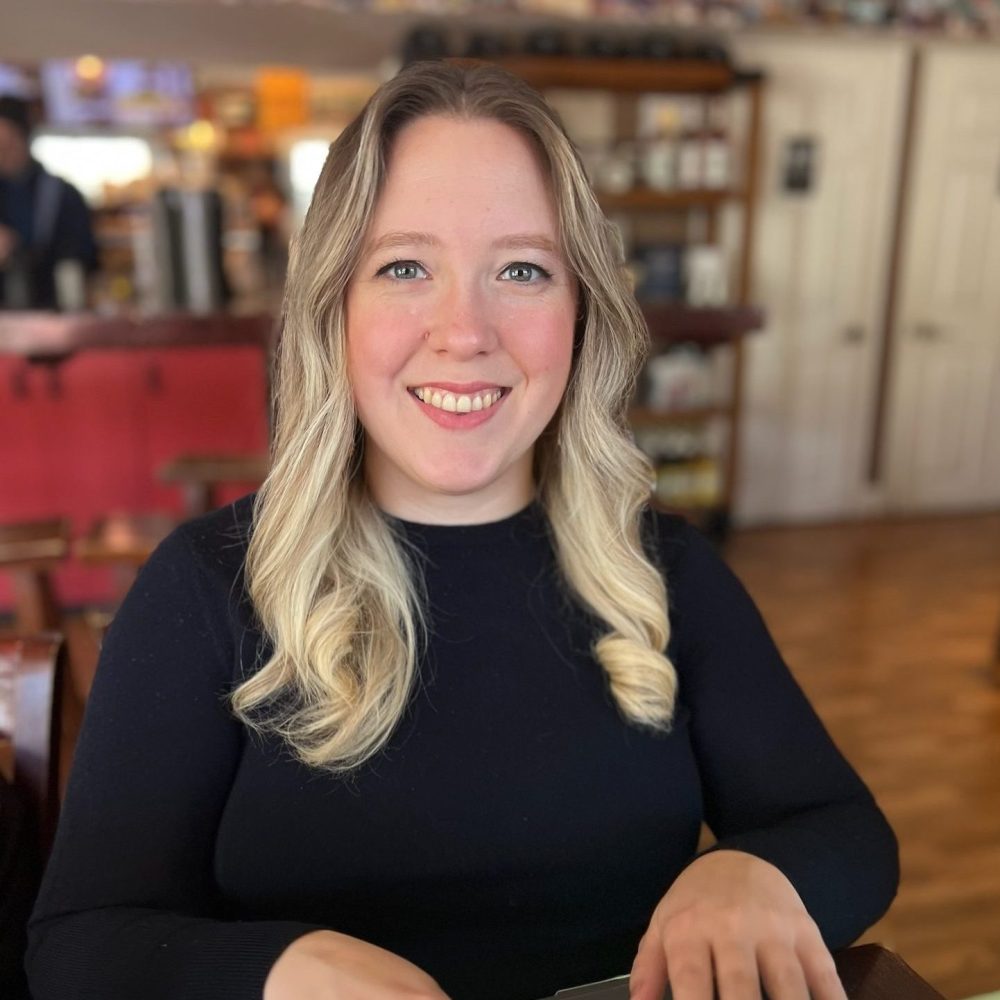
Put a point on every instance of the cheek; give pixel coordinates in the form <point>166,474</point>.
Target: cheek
<point>380,338</point>
<point>546,345</point>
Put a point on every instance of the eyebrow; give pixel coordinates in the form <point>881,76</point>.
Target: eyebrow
<point>516,241</point>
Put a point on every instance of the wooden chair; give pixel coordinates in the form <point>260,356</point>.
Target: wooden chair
<point>29,551</point>
<point>31,670</point>
<point>202,475</point>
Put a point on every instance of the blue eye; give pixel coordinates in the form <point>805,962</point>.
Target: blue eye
<point>523,273</point>
<point>403,270</point>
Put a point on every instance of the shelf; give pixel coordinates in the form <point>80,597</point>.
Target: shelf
<point>690,510</point>
<point>675,322</point>
<point>643,416</point>
<point>623,75</point>
<point>666,201</point>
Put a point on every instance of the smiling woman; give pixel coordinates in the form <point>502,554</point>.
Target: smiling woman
<point>440,711</point>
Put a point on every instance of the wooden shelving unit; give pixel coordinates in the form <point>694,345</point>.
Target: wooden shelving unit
<point>643,416</point>
<point>659,201</point>
<point>631,76</point>
<point>670,322</point>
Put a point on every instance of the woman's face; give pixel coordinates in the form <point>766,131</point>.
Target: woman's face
<point>460,320</point>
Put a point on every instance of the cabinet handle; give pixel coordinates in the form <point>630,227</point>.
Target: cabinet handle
<point>854,334</point>
<point>927,331</point>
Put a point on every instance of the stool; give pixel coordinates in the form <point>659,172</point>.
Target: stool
<point>202,475</point>
<point>29,551</point>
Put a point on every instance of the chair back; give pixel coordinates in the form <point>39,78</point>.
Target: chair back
<point>29,551</point>
<point>30,684</point>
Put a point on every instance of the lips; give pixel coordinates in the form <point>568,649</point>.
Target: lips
<point>459,406</point>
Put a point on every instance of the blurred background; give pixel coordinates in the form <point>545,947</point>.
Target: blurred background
<point>808,194</point>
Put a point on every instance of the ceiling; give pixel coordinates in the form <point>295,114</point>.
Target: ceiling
<point>214,32</point>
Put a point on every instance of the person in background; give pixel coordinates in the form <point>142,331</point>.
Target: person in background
<point>439,713</point>
<point>44,221</point>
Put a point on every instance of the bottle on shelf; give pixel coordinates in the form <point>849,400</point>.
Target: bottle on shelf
<point>691,146</point>
<point>706,278</point>
<point>660,148</point>
<point>717,150</point>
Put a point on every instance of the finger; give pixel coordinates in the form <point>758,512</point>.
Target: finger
<point>781,972</point>
<point>736,974</point>
<point>820,971</point>
<point>648,978</point>
<point>689,970</point>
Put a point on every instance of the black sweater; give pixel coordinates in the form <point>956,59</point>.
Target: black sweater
<point>512,839</point>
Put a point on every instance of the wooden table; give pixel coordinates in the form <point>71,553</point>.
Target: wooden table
<point>868,972</point>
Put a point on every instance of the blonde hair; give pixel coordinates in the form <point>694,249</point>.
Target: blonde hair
<point>332,586</point>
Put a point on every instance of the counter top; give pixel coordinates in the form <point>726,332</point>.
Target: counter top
<point>52,336</point>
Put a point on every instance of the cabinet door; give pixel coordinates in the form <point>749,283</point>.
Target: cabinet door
<point>944,430</point>
<point>820,268</point>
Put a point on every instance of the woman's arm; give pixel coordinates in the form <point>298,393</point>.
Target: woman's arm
<point>798,833</point>
<point>128,906</point>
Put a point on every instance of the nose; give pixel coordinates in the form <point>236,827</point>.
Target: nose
<point>462,324</point>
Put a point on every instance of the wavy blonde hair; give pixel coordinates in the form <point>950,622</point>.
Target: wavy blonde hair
<point>331,584</point>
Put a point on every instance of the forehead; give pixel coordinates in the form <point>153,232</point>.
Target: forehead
<point>466,175</point>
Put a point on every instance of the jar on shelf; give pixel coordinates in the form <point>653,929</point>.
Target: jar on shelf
<point>615,170</point>
<point>706,275</point>
<point>660,271</point>
<point>679,379</point>
<point>658,160</point>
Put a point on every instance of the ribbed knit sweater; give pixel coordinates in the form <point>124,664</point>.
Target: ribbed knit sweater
<point>514,836</point>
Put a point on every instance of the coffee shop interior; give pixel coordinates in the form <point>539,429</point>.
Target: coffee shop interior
<point>808,195</point>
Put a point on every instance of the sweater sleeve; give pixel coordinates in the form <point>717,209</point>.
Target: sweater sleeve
<point>774,784</point>
<point>128,906</point>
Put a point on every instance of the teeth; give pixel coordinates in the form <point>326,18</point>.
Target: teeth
<point>457,404</point>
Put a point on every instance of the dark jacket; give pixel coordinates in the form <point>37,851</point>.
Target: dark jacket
<point>53,224</point>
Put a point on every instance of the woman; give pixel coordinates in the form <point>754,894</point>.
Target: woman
<point>471,742</point>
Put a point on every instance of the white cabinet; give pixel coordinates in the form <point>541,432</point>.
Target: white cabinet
<point>943,442</point>
<point>821,267</point>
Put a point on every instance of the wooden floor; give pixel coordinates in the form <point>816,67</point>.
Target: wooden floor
<point>891,628</point>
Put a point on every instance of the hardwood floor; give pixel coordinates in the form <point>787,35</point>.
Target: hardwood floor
<point>891,629</point>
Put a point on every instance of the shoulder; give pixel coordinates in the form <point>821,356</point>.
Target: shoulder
<point>189,599</point>
<point>69,192</point>
<point>214,546</point>
<point>670,540</point>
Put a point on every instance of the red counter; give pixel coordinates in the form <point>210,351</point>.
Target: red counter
<point>90,409</point>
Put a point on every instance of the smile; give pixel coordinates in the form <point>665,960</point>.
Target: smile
<point>455,402</point>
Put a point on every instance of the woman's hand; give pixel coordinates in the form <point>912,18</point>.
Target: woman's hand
<point>737,915</point>
<point>326,965</point>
